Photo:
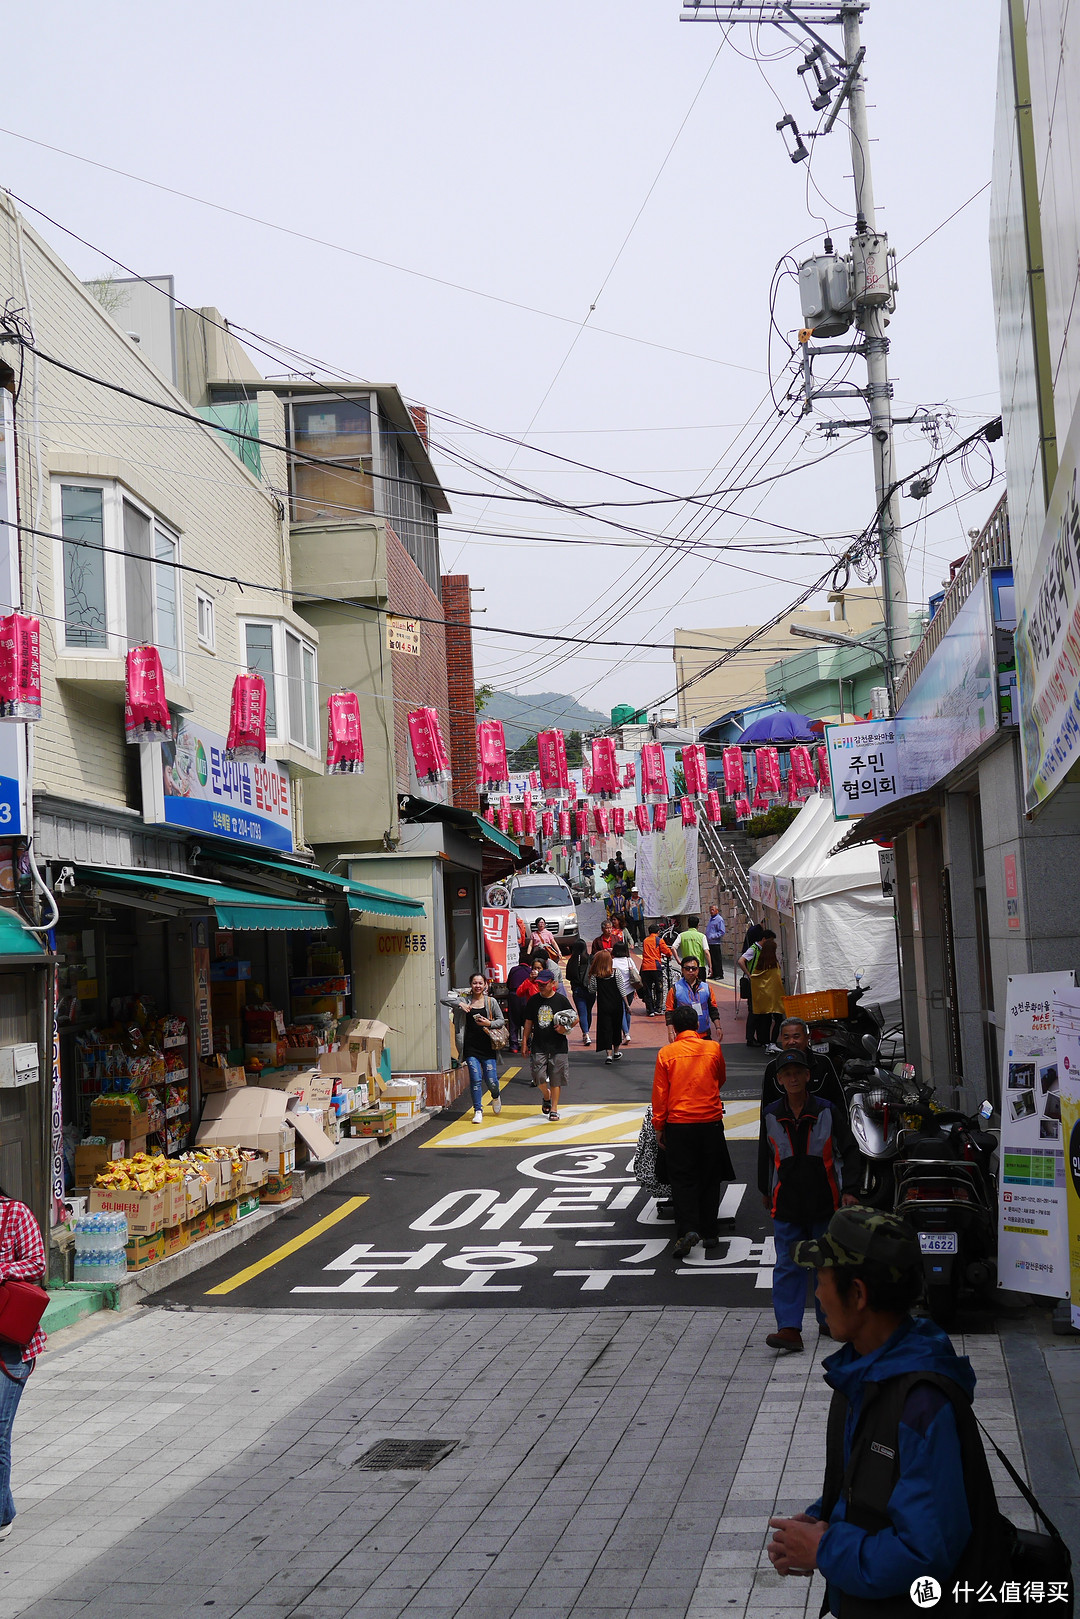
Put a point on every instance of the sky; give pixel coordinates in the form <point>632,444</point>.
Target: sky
<point>557,227</point>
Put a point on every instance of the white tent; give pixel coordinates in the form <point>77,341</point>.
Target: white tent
<point>827,909</point>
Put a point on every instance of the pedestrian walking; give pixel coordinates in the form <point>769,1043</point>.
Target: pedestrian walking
<point>635,916</point>
<point>907,1495</point>
<point>806,1157</point>
<point>609,1007</point>
<point>22,1258</point>
<point>688,1120</point>
<point>543,939</point>
<point>544,1039</point>
<point>766,992</point>
<point>607,936</point>
<point>653,950</point>
<point>715,929</point>
<point>473,1023</point>
<point>581,987</point>
<point>795,1036</point>
<point>521,987</point>
<point>688,990</point>
<point>692,942</point>
<point>629,980</point>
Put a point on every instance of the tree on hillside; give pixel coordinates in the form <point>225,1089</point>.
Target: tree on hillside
<point>527,758</point>
<point>483,696</point>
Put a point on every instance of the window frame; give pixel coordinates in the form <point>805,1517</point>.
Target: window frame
<point>115,559</point>
<point>368,464</point>
<point>207,642</point>
<point>281,634</point>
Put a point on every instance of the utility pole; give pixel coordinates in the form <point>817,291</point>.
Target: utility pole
<point>832,79</point>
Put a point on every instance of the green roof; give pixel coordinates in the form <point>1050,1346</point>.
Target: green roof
<point>360,896</point>
<point>16,938</point>
<point>236,908</point>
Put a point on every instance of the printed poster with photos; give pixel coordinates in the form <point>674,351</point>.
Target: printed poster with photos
<point>1067,1025</point>
<point>1032,1227</point>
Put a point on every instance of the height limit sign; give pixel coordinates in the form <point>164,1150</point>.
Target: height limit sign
<point>403,635</point>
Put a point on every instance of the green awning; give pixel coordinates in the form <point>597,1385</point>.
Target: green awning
<point>16,938</point>
<point>236,908</point>
<point>360,896</point>
<point>500,839</point>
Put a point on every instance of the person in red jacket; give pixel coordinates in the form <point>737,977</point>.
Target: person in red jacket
<point>688,1117</point>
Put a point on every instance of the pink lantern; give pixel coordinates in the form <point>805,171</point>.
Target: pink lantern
<point>554,773</point>
<point>517,822</point>
<point>618,820</point>
<point>641,816</point>
<point>654,782</point>
<point>794,796</point>
<point>767,768</point>
<point>247,721</point>
<point>712,806</point>
<point>489,815</point>
<point>526,799</point>
<point>146,713</point>
<point>629,775</point>
<point>20,669</point>
<point>344,738</point>
<point>742,809</point>
<point>586,780</point>
<point>503,822</point>
<point>429,750</point>
<point>530,823</point>
<point>659,817</point>
<point>759,800</point>
<point>600,821</point>
<point>548,824</point>
<point>823,766</point>
<point>492,769</point>
<point>695,770</point>
<point>581,823</point>
<point>564,824</point>
<point>534,781</point>
<point>802,770</point>
<point>605,769</point>
<point>688,812</point>
<point>734,773</point>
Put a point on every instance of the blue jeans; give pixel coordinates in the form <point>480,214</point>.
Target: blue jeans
<point>789,1281</point>
<point>10,1394</point>
<point>583,1006</point>
<point>482,1071</point>
<point>626,1012</point>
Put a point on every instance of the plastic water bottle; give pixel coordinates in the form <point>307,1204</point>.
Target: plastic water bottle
<point>100,1240</point>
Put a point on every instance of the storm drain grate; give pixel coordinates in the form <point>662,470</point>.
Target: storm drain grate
<point>410,1453</point>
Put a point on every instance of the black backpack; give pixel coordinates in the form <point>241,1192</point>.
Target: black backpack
<point>996,1552</point>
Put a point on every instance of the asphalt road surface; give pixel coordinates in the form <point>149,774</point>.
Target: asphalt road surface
<point>515,1212</point>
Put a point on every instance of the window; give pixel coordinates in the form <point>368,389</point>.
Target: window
<point>121,585</point>
<point>288,664</point>
<point>204,608</point>
<point>407,504</point>
<point>337,430</point>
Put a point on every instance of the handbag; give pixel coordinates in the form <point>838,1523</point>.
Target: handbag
<point>744,988</point>
<point>1033,1555</point>
<point>22,1304</point>
<point>500,1037</point>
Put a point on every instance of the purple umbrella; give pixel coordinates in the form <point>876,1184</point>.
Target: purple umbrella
<point>781,727</point>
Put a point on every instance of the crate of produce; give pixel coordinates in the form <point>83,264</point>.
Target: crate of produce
<point>824,1003</point>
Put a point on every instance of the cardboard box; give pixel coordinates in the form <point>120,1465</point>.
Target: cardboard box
<point>248,1204</point>
<point>255,1172</point>
<point>90,1161</point>
<point>143,1251</point>
<point>310,1005</point>
<point>174,1200</point>
<point>309,1130</point>
<point>224,1215</point>
<point>174,1239</point>
<point>278,1189</point>
<point>366,1039</point>
<point>254,1116</point>
<point>145,1211</point>
<point>114,1118</point>
<point>194,1197</point>
<point>374,1121</point>
<point>213,1079</point>
<point>200,1225</point>
<point>261,1051</point>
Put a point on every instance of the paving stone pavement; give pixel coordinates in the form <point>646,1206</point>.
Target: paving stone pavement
<point>611,1462</point>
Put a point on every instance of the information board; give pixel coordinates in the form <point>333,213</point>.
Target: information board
<point>189,782</point>
<point>862,766</point>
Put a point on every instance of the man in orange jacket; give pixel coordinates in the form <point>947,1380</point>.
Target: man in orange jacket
<point>688,1117</point>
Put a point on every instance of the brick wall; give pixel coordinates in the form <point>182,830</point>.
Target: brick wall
<point>417,682</point>
<point>457,606</point>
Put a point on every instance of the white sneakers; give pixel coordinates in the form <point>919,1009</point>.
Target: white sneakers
<point>478,1117</point>
<point>496,1104</point>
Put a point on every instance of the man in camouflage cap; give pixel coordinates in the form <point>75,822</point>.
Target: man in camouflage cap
<point>907,1496</point>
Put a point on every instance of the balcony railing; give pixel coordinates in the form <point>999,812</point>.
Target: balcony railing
<point>991,550</point>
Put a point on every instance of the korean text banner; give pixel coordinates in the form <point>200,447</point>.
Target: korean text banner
<point>952,708</point>
<point>496,939</point>
<point>190,783</point>
<point>862,766</point>
<point>1048,638</point>
<point>1067,1025</point>
<point>1032,1245</point>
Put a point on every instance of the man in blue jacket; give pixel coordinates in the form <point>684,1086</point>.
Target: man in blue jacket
<point>905,1477</point>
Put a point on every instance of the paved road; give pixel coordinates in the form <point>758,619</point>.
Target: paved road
<point>514,1212</point>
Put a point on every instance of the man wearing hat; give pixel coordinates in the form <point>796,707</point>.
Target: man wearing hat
<point>908,1497</point>
<point>545,1041</point>
<point>806,1157</point>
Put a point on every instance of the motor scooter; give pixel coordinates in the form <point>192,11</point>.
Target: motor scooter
<point>946,1191</point>
<point>844,1038</point>
<point>876,1103</point>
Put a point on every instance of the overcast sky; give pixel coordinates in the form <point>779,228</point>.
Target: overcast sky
<point>511,150</point>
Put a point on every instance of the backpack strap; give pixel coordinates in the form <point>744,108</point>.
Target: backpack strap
<point>1025,1489</point>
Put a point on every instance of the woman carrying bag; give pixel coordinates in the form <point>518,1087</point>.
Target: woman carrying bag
<point>582,990</point>
<point>22,1261</point>
<point>610,1006</point>
<point>481,1032</point>
<point>766,991</point>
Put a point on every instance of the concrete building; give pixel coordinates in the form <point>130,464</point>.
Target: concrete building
<point>742,681</point>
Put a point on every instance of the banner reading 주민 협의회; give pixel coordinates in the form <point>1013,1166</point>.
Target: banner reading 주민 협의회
<point>1032,1238</point>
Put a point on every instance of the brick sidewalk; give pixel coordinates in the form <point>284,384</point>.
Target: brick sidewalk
<point>611,1462</point>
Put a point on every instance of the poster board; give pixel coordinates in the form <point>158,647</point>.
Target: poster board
<point>1032,1214</point>
<point>667,871</point>
<point>862,767</point>
<point>1067,1025</point>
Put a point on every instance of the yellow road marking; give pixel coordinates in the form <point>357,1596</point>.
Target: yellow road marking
<point>593,1124</point>
<point>348,1207</point>
<point>509,1073</point>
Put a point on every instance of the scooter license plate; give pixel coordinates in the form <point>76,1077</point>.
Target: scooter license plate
<point>938,1242</point>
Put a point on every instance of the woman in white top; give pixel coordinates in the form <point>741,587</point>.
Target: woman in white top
<point>628,978</point>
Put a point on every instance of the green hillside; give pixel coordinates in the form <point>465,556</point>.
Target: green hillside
<point>535,711</point>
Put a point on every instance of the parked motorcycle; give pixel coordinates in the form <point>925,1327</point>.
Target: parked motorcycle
<point>844,1038</point>
<point>945,1190</point>
<point>877,1100</point>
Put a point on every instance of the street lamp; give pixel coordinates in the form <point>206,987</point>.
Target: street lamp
<point>833,639</point>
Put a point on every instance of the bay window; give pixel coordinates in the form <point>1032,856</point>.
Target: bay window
<point>289,666</point>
